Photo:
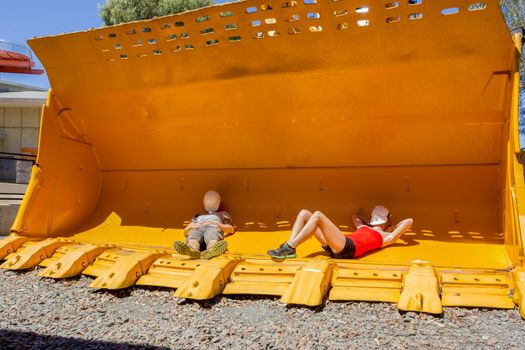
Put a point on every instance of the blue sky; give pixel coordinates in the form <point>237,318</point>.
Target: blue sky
<point>23,19</point>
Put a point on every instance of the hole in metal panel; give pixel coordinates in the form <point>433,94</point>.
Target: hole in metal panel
<point>124,56</point>
<point>176,49</point>
<point>363,23</point>
<point>361,9</point>
<point>156,52</point>
<point>189,47</point>
<point>212,42</point>
<point>184,35</point>
<point>450,11</point>
<point>266,7</point>
<point>207,31</point>
<point>118,47</point>
<point>478,6</point>
<point>138,43</point>
<point>343,26</point>
<point>415,2</point>
<point>252,9</point>
<point>230,26</point>
<point>315,29</point>
<point>179,24</point>
<point>226,14</point>
<point>259,35</point>
<point>201,19</point>
<point>310,2</point>
<point>146,30</point>
<point>392,5</point>
<point>99,37</point>
<point>171,37</point>
<point>165,26</point>
<point>152,41</point>
<point>142,55</point>
<point>313,15</point>
<point>292,18</point>
<point>289,4</point>
<point>234,38</point>
<point>393,19</point>
<point>339,13</point>
<point>256,23</point>
<point>112,35</point>
<point>415,16</point>
<point>131,32</point>
<point>273,33</point>
<point>270,21</point>
<point>295,30</point>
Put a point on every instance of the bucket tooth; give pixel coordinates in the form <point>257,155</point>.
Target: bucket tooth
<point>518,277</point>
<point>34,254</point>
<point>366,283</point>
<point>169,271</point>
<point>208,279</point>
<point>310,284</point>
<point>476,289</point>
<point>262,276</point>
<point>126,270</point>
<point>74,261</point>
<point>12,243</point>
<point>420,290</point>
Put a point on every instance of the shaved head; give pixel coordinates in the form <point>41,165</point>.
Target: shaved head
<point>212,201</point>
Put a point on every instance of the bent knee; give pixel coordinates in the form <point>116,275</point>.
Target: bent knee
<point>304,214</point>
<point>317,216</point>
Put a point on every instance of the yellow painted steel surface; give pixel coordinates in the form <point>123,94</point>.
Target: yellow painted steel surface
<point>283,105</point>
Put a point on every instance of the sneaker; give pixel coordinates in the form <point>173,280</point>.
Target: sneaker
<point>283,252</point>
<point>182,248</point>
<point>217,249</point>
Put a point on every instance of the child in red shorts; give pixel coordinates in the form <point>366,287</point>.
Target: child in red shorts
<point>369,236</point>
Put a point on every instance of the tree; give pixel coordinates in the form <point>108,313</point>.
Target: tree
<point>514,13</point>
<point>119,11</point>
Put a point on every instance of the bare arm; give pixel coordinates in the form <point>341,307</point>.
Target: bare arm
<point>358,221</point>
<point>190,226</point>
<point>227,229</point>
<point>401,227</point>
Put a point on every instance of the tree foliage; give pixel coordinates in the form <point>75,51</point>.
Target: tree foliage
<point>514,13</point>
<point>120,11</point>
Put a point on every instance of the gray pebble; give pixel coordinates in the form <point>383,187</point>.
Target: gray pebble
<point>44,314</point>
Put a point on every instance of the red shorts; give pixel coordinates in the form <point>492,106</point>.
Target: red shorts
<point>365,239</point>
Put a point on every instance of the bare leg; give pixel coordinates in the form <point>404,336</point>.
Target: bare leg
<point>328,232</point>
<point>320,237</point>
<point>194,244</point>
<point>302,218</point>
<point>211,243</point>
<point>299,223</point>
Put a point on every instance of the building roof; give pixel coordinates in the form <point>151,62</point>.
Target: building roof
<point>23,99</point>
<point>16,58</point>
<point>7,84</point>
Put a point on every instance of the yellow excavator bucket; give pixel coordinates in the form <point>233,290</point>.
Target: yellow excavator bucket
<point>328,105</point>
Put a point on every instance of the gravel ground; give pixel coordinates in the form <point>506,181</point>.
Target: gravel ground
<point>47,314</point>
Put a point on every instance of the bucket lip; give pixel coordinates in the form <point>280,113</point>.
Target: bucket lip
<point>104,28</point>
